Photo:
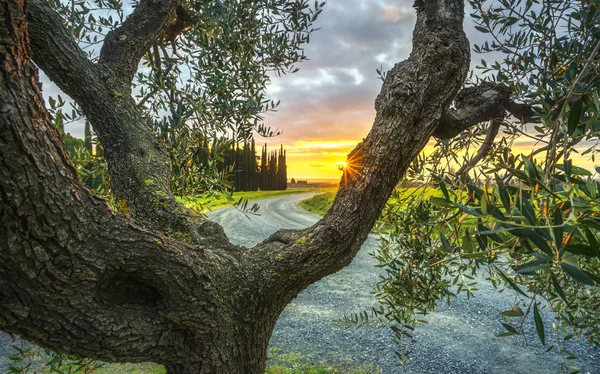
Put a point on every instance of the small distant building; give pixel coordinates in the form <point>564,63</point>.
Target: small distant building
<point>302,182</point>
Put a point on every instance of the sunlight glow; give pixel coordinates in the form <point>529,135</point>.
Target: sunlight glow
<point>352,168</point>
<point>341,165</point>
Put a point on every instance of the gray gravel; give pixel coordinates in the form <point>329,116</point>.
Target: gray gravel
<point>459,338</point>
<point>5,350</point>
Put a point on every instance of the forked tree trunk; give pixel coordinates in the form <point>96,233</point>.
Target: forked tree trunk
<point>77,277</point>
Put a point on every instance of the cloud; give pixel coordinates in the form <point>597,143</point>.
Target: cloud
<point>396,15</point>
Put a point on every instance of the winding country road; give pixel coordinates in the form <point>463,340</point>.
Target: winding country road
<point>459,338</point>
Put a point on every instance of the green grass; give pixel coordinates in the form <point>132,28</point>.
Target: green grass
<point>296,363</point>
<point>278,363</point>
<point>217,201</point>
<point>321,203</point>
<point>144,368</point>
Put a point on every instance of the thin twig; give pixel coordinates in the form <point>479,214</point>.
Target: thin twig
<point>492,132</point>
<point>551,156</point>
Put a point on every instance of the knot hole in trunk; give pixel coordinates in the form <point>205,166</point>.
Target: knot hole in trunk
<point>128,290</point>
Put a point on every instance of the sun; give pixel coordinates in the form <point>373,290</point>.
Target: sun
<point>341,165</point>
<point>350,168</point>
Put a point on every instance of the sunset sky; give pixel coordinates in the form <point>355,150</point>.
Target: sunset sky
<point>328,106</point>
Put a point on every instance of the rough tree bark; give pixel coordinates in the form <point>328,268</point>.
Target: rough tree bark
<point>159,286</point>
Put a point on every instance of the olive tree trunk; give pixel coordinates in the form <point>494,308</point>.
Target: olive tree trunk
<point>157,285</point>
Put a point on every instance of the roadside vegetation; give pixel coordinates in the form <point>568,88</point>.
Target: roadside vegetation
<point>28,358</point>
<point>296,363</point>
<point>320,203</point>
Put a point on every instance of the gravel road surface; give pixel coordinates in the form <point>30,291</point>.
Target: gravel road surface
<point>459,338</point>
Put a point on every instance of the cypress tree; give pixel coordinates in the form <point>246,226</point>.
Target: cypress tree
<point>263,168</point>
<point>253,168</point>
<point>236,167</point>
<point>273,171</point>
<point>87,137</point>
<point>282,170</point>
<point>246,175</point>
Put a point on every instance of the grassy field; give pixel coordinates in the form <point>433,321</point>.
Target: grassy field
<point>321,203</point>
<point>295,363</point>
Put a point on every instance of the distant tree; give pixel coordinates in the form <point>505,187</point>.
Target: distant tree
<point>293,181</point>
<point>273,170</point>
<point>71,142</point>
<point>87,138</point>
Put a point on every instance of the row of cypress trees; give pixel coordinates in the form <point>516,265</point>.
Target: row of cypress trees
<point>246,175</point>
<point>239,161</point>
<point>273,170</point>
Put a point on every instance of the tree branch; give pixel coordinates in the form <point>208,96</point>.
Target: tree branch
<point>79,278</point>
<point>124,47</point>
<point>524,112</point>
<point>478,104</point>
<point>491,134</point>
<point>138,164</point>
<point>473,105</point>
<point>75,276</point>
<point>56,52</point>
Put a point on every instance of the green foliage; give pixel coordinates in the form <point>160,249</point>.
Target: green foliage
<point>321,203</point>
<point>28,358</point>
<point>228,52</point>
<point>196,161</point>
<point>58,109</point>
<point>529,223</point>
<point>71,143</point>
<point>205,90</point>
<point>87,155</point>
<point>91,170</point>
